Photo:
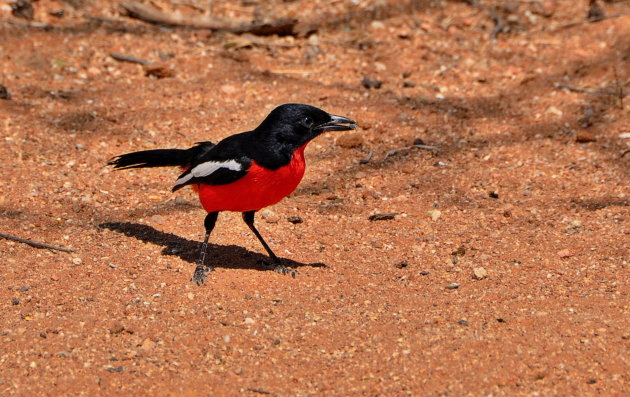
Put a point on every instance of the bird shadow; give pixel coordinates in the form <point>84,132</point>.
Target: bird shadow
<point>224,256</point>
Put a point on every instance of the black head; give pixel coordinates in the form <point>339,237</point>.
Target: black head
<point>295,124</point>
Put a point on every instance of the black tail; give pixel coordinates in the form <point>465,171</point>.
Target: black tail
<point>160,157</point>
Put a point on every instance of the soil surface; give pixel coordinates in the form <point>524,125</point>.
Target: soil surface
<point>501,267</point>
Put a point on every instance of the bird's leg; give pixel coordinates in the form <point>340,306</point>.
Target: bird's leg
<point>277,266</point>
<point>202,270</point>
<point>248,217</point>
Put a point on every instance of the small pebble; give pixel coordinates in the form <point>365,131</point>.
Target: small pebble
<point>371,83</point>
<point>269,216</point>
<point>479,273</point>
<point>565,253</point>
<point>249,320</point>
<point>574,228</point>
<point>295,219</point>
<point>460,251</point>
<point>228,89</point>
<point>313,39</point>
<point>452,286</point>
<point>22,9</point>
<point>424,273</point>
<point>585,137</point>
<point>25,288</point>
<point>463,322</point>
<point>554,111</point>
<point>147,345</point>
<point>15,301</point>
<point>157,219</point>
<point>403,34</point>
<point>379,66</point>
<point>116,329</point>
<point>77,261</point>
<point>435,214</point>
<point>158,71</point>
<point>58,13</point>
<point>402,265</point>
<point>4,93</point>
<point>377,25</point>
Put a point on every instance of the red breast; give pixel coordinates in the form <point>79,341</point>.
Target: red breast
<point>259,188</point>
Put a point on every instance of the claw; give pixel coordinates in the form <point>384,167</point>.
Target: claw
<point>279,268</point>
<point>200,274</point>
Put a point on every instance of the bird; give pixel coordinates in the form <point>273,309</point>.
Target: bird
<point>244,172</point>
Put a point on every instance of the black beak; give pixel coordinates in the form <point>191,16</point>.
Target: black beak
<point>336,123</point>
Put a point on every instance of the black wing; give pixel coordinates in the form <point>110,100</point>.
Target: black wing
<point>218,165</point>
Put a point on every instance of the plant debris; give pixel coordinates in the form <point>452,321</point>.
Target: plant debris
<point>383,217</point>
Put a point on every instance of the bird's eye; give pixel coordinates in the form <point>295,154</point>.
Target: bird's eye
<point>307,122</point>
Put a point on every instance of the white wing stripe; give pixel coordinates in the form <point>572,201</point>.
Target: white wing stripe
<point>183,180</point>
<point>207,168</point>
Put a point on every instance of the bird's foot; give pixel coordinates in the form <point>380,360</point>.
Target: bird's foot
<point>201,271</point>
<point>278,268</point>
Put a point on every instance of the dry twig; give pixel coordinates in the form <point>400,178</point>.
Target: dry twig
<point>587,20</point>
<point>282,26</point>
<point>35,243</point>
<point>367,158</point>
<point>619,92</point>
<point>128,58</point>
<point>618,85</point>
<point>29,24</point>
<point>402,149</point>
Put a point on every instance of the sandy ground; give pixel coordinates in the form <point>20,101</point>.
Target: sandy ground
<point>504,270</point>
